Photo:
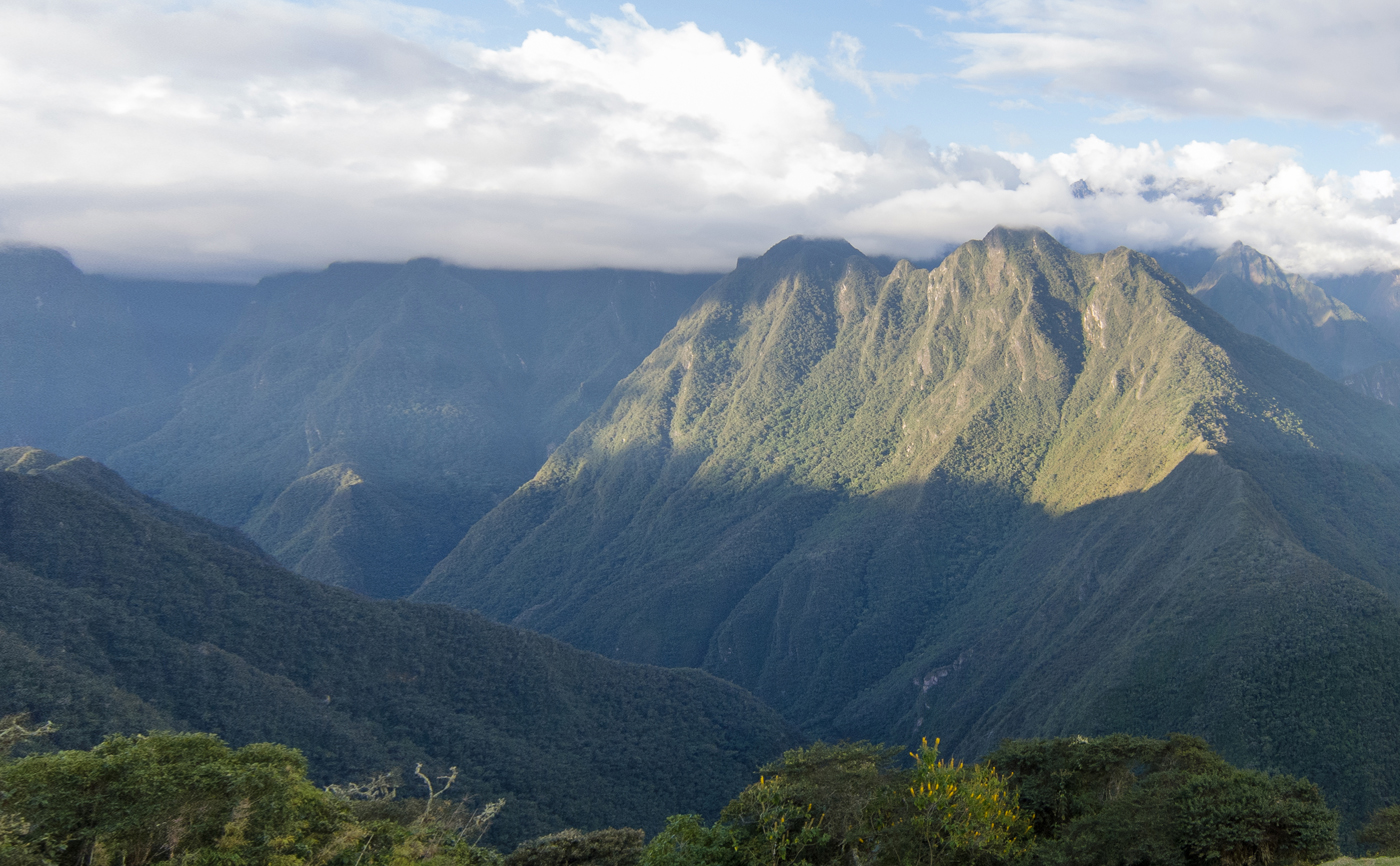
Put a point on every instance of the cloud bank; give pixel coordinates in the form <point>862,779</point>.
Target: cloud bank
<point>236,138</point>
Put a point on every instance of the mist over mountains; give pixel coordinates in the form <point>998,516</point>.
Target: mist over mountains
<point>356,421</point>
<point>1021,491</point>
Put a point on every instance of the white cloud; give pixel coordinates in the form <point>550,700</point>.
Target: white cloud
<point>1285,58</point>
<point>843,61</point>
<point>1371,185</point>
<point>233,138</point>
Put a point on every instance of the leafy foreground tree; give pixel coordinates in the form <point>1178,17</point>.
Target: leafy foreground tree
<point>1134,800</point>
<point>190,799</point>
<point>1114,801</point>
<point>850,803</point>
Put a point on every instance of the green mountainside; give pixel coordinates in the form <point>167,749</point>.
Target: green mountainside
<point>1030,492</point>
<point>1253,292</point>
<point>359,419</point>
<point>119,614</point>
<point>75,347</point>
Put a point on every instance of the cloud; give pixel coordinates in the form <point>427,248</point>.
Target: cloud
<point>1286,58</point>
<point>1202,194</point>
<point>237,138</point>
<point>843,59</point>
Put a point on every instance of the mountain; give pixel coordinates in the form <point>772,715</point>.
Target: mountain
<point>1030,492</point>
<point>358,419</point>
<point>1381,382</point>
<point>1188,264</point>
<point>75,347</point>
<point>1255,294</point>
<point>1375,295</point>
<point>119,614</point>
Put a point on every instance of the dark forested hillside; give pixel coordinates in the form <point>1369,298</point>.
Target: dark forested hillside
<point>119,614</point>
<point>1029,492</point>
<point>359,419</point>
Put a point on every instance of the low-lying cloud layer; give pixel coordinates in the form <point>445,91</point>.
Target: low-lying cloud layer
<point>234,138</point>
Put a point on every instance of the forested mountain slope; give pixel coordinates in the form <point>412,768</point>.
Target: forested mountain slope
<point>75,347</point>
<point>1259,298</point>
<point>118,614</point>
<point>359,419</point>
<point>1028,492</point>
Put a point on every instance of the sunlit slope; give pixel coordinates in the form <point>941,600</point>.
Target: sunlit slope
<point>359,419</point>
<point>826,485</point>
<point>119,614</point>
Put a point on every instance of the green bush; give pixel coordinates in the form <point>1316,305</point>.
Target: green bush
<point>190,799</point>
<point>1121,799</point>
<point>1381,833</point>
<point>610,847</point>
<point>851,804</point>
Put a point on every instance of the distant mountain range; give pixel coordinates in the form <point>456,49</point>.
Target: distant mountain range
<point>1024,491</point>
<point>1254,293</point>
<point>356,421</point>
<point>119,613</point>
<point>75,347</point>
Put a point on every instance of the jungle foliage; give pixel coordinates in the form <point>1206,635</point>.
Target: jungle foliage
<point>189,799</point>
<point>1122,799</point>
<point>1111,801</point>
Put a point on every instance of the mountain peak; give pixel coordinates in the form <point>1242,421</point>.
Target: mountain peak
<point>1246,263</point>
<point>1007,237</point>
<point>808,250</point>
<point>1260,298</point>
<point>26,263</point>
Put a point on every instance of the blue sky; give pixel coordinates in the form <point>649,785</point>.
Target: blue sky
<point>917,42</point>
<point>233,138</point>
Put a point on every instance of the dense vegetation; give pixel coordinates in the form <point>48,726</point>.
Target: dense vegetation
<point>358,419</point>
<point>1029,492</point>
<point>1067,802</point>
<point>188,798</point>
<point>119,615</point>
<point>1121,799</point>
